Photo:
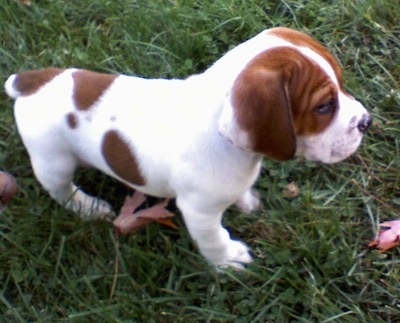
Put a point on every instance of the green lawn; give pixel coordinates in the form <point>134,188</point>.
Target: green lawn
<point>312,261</point>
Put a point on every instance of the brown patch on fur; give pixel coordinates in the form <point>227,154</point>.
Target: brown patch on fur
<point>28,82</point>
<point>299,38</point>
<point>72,120</point>
<point>120,158</point>
<point>275,97</point>
<point>89,86</point>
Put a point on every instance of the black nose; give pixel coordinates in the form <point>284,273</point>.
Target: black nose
<point>364,123</point>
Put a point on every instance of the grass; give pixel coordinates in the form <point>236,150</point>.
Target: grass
<point>311,263</point>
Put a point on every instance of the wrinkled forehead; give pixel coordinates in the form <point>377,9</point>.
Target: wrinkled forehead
<point>312,49</point>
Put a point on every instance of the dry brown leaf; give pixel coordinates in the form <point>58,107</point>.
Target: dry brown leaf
<point>388,237</point>
<point>291,191</point>
<point>129,221</point>
<point>8,188</point>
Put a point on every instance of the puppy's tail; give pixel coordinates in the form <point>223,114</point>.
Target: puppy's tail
<point>9,87</point>
<point>29,82</point>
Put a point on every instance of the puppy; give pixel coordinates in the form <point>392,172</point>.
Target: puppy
<point>200,140</point>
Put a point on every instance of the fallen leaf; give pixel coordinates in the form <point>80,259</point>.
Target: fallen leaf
<point>291,191</point>
<point>168,223</point>
<point>128,221</point>
<point>388,237</point>
<point>8,188</point>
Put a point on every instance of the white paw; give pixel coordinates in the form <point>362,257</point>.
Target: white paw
<point>237,256</point>
<point>89,207</point>
<point>250,201</point>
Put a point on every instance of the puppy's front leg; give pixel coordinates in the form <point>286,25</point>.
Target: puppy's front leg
<point>212,239</point>
<point>249,201</point>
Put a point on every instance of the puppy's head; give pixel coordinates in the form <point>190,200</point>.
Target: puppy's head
<point>289,100</point>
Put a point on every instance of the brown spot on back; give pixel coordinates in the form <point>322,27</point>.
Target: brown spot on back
<point>299,38</point>
<point>28,82</point>
<point>72,120</point>
<point>120,158</point>
<point>89,86</point>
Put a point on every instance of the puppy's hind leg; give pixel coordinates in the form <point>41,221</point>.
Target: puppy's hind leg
<point>55,172</point>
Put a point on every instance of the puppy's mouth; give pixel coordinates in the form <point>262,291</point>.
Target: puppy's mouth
<point>329,153</point>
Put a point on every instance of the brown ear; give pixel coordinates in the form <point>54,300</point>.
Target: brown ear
<point>261,109</point>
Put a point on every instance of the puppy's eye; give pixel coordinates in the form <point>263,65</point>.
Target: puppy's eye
<point>326,108</point>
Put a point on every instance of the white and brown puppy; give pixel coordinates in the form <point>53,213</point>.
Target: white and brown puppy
<point>199,140</point>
